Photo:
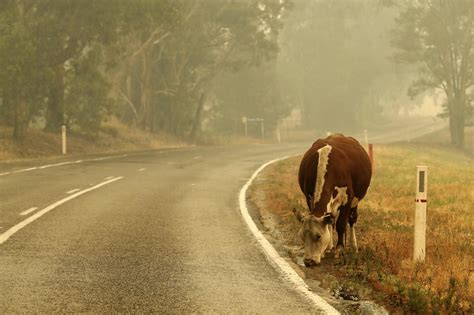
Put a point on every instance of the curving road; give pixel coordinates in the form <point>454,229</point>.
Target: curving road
<point>151,232</point>
<point>155,232</point>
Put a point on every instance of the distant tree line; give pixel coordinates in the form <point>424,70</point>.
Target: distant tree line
<point>151,63</point>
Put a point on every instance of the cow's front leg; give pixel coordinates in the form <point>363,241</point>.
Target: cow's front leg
<point>341,229</point>
<point>331,237</point>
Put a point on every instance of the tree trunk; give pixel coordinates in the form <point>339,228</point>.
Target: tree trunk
<point>145,93</point>
<point>456,120</point>
<point>21,119</point>
<point>55,110</point>
<point>197,117</point>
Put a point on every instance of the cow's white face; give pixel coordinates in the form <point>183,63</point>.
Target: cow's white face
<point>316,236</point>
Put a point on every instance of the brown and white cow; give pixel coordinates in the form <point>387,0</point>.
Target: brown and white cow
<point>334,176</point>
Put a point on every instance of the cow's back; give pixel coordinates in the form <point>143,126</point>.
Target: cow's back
<point>351,158</point>
<point>347,161</point>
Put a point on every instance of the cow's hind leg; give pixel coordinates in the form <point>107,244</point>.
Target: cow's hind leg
<point>352,221</point>
<point>341,229</point>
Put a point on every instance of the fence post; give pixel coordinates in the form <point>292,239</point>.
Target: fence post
<point>63,133</point>
<point>420,213</point>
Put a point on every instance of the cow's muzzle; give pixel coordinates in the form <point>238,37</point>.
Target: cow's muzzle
<point>310,262</point>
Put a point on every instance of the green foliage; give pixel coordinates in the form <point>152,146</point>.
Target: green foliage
<point>153,63</point>
<point>86,101</point>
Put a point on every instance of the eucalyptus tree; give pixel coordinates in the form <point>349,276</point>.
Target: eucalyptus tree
<point>66,32</point>
<point>181,53</point>
<point>437,36</point>
<point>23,75</point>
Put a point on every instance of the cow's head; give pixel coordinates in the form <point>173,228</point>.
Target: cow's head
<point>315,234</point>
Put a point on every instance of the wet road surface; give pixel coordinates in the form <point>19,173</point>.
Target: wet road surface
<point>155,232</point>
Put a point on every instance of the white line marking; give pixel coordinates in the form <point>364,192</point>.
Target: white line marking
<point>110,177</point>
<point>62,163</point>
<point>141,169</point>
<point>72,191</point>
<point>197,157</point>
<point>25,170</point>
<point>281,265</point>
<point>29,211</point>
<point>6,235</point>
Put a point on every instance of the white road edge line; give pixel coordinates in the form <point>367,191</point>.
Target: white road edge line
<point>29,211</point>
<point>72,191</point>
<point>6,235</point>
<point>141,169</point>
<point>272,255</point>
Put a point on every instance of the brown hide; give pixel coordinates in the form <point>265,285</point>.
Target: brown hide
<point>348,166</point>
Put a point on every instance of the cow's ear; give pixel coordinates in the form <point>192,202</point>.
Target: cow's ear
<point>328,219</point>
<point>299,214</point>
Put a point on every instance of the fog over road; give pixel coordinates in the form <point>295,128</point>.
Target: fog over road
<point>152,232</point>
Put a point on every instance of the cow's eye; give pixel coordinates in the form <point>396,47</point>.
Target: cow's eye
<point>316,237</point>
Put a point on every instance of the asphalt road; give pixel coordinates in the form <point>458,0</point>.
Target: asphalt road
<point>155,232</point>
<point>162,234</point>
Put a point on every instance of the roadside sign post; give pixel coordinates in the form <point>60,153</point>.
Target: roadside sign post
<point>419,248</point>
<point>63,132</point>
<point>245,120</point>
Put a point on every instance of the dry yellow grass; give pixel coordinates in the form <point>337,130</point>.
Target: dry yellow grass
<point>385,228</point>
<point>114,137</point>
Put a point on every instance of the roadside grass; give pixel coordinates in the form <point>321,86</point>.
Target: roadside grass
<point>113,137</point>
<point>445,281</point>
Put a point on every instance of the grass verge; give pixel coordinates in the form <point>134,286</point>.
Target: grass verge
<point>113,137</point>
<point>444,283</point>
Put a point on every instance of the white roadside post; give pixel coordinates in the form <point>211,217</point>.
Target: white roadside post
<point>420,213</point>
<point>244,121</point>
<point>63,131</point>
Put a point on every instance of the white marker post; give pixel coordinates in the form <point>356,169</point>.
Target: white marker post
<point>63,131</point>
<point>244,121</point>
<point>420,213</point>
